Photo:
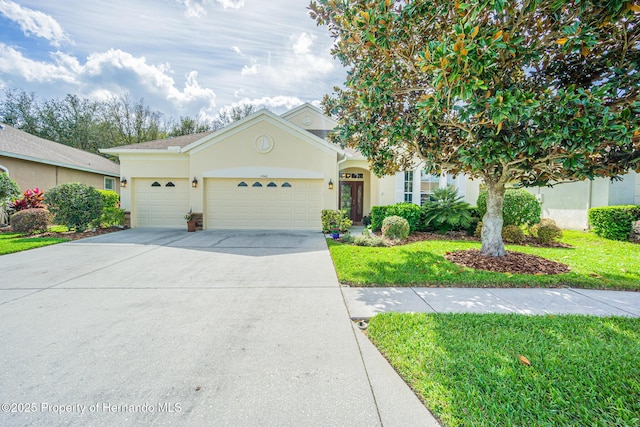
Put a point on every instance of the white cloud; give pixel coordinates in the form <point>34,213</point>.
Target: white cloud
<point>305,60</point>
<point>249,71</point>
<point>33,22</point>
<point>13,62</point>
<point>198,8</point>
<point>108,73</point>
<point>237,50</point>
<point>275,102</point>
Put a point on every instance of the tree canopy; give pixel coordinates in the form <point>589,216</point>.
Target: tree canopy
<point>531,91</point>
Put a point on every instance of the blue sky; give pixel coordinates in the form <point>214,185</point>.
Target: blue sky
<point>184,57</point>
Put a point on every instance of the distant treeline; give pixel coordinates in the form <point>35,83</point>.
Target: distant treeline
<point>90,125</point>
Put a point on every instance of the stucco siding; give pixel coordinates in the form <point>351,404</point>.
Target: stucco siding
<point>29,175</point>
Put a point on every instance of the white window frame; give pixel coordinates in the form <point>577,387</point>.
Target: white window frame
<point>113,180</point>
<point>408,186</point>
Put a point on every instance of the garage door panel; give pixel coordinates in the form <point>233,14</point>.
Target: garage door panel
<point>296,206</point>
<point>160,206</point>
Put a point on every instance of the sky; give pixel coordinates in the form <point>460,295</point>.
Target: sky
<point>183,57</point>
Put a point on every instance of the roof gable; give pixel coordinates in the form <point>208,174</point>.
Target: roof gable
<point>309,117</point>
<point>247,122</point>
<point>22,145</point>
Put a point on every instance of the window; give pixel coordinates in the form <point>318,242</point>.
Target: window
<point>243,184</point>
<point>109,184</point>
<point>272,184</point>
<point>170,184</point>
<point>156,184</point>
<point>351,176</point>
<point>408,186</point>
<point>286,185</point>
<point>428,183</point>
<point>256,184</point>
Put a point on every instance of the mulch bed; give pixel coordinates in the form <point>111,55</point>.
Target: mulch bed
<point>71,235</point>
<point>513,262</point>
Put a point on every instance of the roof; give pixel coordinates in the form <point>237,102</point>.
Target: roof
<point>163,144</point>
<point>22,145</point>
<point>196,142</point>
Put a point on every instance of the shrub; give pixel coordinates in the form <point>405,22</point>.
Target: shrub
<point>478,231</point>
<point>378,214</point>
<point>475,220</point>
<point>31,199</point>
<point>75,205</point>
<point>613,222</point>
<point>30,221</point>
<point>372,241</point>
<point>408,211</point>
<point>546,231</point>
<point>347,238</point>
<point>112,215</point>
<point>9,190</point>
<point>446,212</point>
<point>520,207</point>
<point>366,220</point>
<point>512,234</point>
<point>395,227</point>
<point>335,220</point>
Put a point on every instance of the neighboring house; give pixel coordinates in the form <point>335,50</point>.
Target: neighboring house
<point>262,172</point>
<point>569,204</point>
<point>35,162</point>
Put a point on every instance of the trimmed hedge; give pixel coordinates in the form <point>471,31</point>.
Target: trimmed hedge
<point>613,222</point>
<point>405,210</point>
<point>112,215</point>
<point>335,220</point>
<point>520,207</point>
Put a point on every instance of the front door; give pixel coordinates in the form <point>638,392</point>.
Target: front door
<point>351,199</point>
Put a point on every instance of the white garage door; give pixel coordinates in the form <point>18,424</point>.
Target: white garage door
<point>160,202</point>
<point>264,204</point>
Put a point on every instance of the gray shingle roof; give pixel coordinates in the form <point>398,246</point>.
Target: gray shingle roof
<point>22,145</point>
<point>163,144</point>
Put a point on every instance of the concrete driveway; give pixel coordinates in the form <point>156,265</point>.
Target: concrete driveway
<point>159,327</point>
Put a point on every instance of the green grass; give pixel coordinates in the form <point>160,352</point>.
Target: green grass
<point>595,263</point>
<point>13,242</point>
<point>466,368</point>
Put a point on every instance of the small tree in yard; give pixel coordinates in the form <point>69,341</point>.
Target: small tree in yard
<point>536,92</point>
<point>74,205</point>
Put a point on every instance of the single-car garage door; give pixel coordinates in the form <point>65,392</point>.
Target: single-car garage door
<point>264,204</point>
<point>160,202</point>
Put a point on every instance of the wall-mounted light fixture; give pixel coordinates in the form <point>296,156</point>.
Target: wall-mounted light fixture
<point>194,183</point>
<point>123,182</point>
<point>330,185</point>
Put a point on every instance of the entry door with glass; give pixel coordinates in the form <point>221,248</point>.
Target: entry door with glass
<point>351,199</point>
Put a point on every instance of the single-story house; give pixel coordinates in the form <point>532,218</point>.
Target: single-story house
<point>35,162</point>
<point>265,171</point>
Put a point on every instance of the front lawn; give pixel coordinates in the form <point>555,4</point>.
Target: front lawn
<point>13,242</point>
<point>595,263</point>
<point>468,370</point>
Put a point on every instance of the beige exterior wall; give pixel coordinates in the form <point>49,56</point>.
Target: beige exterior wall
<point>291,157</point>
<point>150,165</point>
<point>29,175</point>
<point>234,154</point>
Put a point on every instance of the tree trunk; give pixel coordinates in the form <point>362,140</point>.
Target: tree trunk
<point>492,244</point>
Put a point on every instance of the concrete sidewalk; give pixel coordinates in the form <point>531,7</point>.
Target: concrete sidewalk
<point>364,303</point>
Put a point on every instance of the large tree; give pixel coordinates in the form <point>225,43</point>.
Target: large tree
<point>535,92</point>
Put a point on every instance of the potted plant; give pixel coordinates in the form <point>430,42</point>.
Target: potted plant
<point>335,231</point>
<point>191,223</point>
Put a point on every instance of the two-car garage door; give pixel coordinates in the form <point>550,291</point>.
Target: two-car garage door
<point>271,204</point>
